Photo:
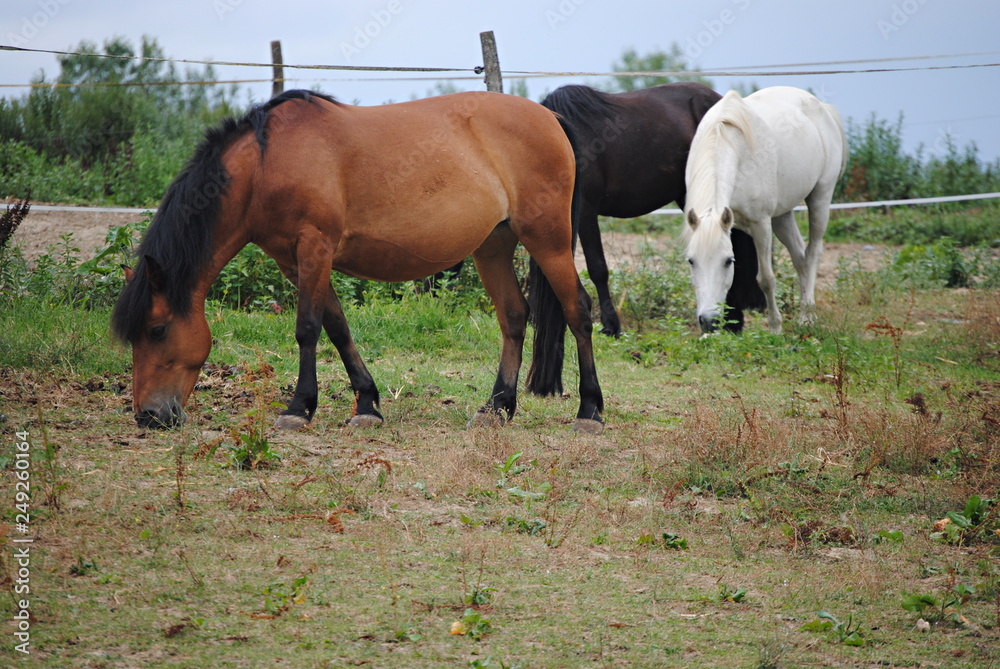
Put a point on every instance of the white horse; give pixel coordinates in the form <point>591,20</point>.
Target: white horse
<point>752,161</point>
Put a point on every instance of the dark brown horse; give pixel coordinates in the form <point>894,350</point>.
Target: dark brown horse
<point>390,193</point>
<point>633,149</point>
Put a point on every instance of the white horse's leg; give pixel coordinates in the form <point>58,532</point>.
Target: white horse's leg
<point>787,231</point>
<point>761,233</point>
<point>819,216</point>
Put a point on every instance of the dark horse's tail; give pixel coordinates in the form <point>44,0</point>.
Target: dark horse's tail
<point>546,312</point>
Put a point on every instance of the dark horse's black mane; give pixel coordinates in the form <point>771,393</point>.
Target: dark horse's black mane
<point>584,105</point>
<point>179,240</point>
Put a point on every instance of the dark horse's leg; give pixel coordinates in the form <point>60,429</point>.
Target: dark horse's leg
<point>597,267</point>
<point>494,262</point>
<point>744,293</point>
<point>321,309</point>
<point>430,284</point>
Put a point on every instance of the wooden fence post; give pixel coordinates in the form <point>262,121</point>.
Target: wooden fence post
<point>278,82</point>
<point>491,63</point>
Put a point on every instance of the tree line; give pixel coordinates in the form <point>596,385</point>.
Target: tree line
<point>92,135</point>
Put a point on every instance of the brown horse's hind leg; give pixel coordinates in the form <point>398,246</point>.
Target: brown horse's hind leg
<point>560,274</point>
<point>494,262</point>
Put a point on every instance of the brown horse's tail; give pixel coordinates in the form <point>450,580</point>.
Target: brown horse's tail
<point>546,312</point>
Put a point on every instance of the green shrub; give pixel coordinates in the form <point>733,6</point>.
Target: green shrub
<point>877,168</point>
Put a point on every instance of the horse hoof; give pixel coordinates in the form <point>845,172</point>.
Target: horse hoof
<point>486,419</point>
<point>290,422</point>
<point>588,426</point>
<point>364,420</point>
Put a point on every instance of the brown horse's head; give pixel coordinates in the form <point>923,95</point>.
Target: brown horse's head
<point>161,311</point>
<point>168,352</point>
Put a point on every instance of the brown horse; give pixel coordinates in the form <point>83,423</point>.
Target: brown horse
<point>389,193</point>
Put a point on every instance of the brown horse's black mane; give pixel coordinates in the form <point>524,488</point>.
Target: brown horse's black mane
<point>179,240</point>
<point>584,106</point>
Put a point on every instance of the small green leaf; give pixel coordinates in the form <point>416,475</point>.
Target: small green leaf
<point>854,639</point>
<point>826,615</point>
<point>523,494</point>
<point>894,536</point>
<point>959,519</point>
<point>972,507</point>
<point>817,626</point>
<point>671,540</point>
<point>917,603</point>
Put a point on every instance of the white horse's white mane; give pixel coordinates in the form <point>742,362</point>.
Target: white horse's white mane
<point>729,116</point>
<point>727,122</point>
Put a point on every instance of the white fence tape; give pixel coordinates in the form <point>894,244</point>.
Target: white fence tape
<point>671,211</point>
<point>880,203</point>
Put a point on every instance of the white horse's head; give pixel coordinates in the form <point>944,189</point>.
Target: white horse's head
<point>710,255</point>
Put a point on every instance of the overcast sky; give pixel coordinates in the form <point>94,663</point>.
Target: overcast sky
<point>567,36</point>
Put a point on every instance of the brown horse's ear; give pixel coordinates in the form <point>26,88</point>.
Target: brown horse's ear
<point>129,274</point>
<point>727,219</point>
<point>155,274</point>
<point>692,219</point>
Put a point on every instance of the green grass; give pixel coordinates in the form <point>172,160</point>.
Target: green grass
<point>806,469</point>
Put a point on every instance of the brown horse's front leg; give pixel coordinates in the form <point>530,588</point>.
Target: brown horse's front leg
<point>366,397</point>
<point>303,405</point>
<point>312,276</point>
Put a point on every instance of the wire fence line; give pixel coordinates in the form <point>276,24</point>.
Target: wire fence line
<point>190,61</point>
<point>114,84</point>
<point>467,72</point>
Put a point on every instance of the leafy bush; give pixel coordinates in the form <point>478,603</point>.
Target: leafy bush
<point>654,288</point>
<point>91,140</point>
<point>250,281</point>
<point>877,168</point>
<point>932,266</point>
<point>967,225</point>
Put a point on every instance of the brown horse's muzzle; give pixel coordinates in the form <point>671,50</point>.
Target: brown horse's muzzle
<point>162,416</point>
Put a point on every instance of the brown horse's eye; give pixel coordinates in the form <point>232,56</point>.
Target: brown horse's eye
<point>158,333</point>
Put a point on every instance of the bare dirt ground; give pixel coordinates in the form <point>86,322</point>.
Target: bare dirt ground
<point>42,229</point>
